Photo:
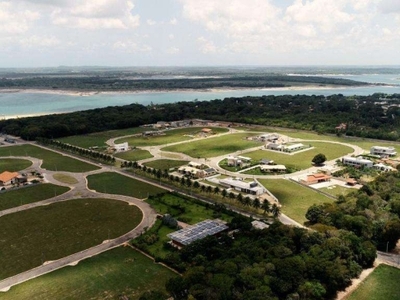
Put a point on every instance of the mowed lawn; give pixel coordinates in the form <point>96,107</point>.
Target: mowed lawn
<point>381,284</point>
<point>110,275</point>
<point>217,146</point>
<point>134,155</point>
<point>114,183</point>
<point>13,165</point>
<point>99,138</point>
<point>163,164</point>
<point>30,194</point>
<point>170,136</point>
<point>51,160</point>
<point>295,199</point>
<point>302,160</point>
<point>30,237</point>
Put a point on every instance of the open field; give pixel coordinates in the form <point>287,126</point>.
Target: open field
<point>295,199</point>
<point>30,237</point>
<point>114,183</point>
<point>110,275</point>
<point>14,165</point>
<point>215,146</point>
<point>64,178</point>
<point>381,284</point>
<point>51,160</point>
<point>30,194</point>
<point>163,164</point>
<point>134,155</point>
<point>302,160</point>
<point>171,136</point>
<point>99,139</point>
<point>338,190</point>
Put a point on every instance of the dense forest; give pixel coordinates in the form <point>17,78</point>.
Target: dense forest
<point>126,83</point>
<point>281,262</point>
<point>376,116</point>
<point>372,213</point>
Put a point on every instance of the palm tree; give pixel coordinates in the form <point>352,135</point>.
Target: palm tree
<point>256,203</point>
<point>275,210</point>
<point>208,189</point>
<point>216,190</point>
<point>239,198</point>
<point>265,206</point>
<point>231,196</point>
<point>247,201</point>
<point>224,193</point>
<point>203,188</point>
<point>196,184</point>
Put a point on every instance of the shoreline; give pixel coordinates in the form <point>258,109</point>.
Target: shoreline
<point>214,90</point>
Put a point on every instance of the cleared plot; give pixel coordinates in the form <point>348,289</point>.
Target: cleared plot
<point>30,194</point>
<point>381,284</point>
<point>338,190</point>
<point>13,165</point>
<point>110,275</point>
<point>134,155</point>
<point>30,237</point>
<point>302,160</point>
<point>215,146</point>
<point>114,183</point>
<point>171,136</point>
<point>295,199</point>
<point>163,164</point>
<point>99,138</point>
<point>64,178</point>
<point>51,160</point>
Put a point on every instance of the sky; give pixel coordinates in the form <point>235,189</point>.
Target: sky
<point>49,33</point>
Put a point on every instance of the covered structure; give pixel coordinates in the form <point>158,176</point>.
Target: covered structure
<point>7,178</point>
<point>316,178</point>
<point>252,188</point>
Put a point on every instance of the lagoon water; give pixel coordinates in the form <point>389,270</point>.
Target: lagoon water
<point>22,104</point>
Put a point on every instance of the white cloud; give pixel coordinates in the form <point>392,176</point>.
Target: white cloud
<point>39,42</point>
<point>171,36</point>
<point>130,46</point>
<point>151,22</point>
<point>15,19</point>
<point>96,14</point>
<point>173,50</point>
<point>390,6</point>
<point>206,46</point>
<point>173,21</point>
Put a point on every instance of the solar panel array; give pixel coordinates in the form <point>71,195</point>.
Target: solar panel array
<point>198,231</point>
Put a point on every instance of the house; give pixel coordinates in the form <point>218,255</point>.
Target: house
<point>383,168</point>
<point>209,172</point>
<point>238,161</point>
<point>7,178</point>
<point>275,147</point>
<point>316,178</point>
<point>383,151</point>
<point>192,172</point>
<point>265,161</point>
<point>195,165</point>
<point>351,182</point>
<point>293,147</point>
<point>273,168</point>
<point>357,162</point>
<point>196,232</point>
<point>268,137</point>
<point>252,188</point>
<point>121,147</point>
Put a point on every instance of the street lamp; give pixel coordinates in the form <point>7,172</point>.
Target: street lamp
<point>387,247</point>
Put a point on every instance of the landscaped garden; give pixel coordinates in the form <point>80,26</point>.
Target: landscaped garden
<point>114,274</point>
<point>168,136</point>
<point>381,284</point>
<point>114,183</point>
<point>31,237</point>
<point>294,198</point>
<point>13,165</point>
<point>30,194</point>
<point>215,146</point>
<point>52,161</point>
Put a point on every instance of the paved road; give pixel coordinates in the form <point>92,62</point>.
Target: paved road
<point>389,258</point>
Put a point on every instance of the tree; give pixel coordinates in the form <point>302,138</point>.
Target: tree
<point>224,193</point>
<point>319,159</point>
<point>265,206</point>
<point>256,203</point>
<point>216,190</point>
<point>275,210</point>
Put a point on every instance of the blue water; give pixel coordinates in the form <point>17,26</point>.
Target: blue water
<point>21,104</point>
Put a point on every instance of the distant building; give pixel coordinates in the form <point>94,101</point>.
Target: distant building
<point>284,148</point>
<point>273,168</point>
<point>196,232</point>
<point>316,178</point>
<point>7,178</point>
<point>357,162</point>
<point>383,168</point>
<point>121,147</point>
<point>238,161</point>
<point>383,151</point>
<point>192,172</point>
<point>252,188</point>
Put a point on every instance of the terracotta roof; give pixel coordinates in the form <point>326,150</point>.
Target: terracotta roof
<point>314,177</point>
<point>7,176</point>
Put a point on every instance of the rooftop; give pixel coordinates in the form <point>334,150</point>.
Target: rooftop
<point>7,176</point>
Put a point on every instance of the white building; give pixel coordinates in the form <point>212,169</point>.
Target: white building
<point>242,186</point>
<point>357,162</point>
<point>121,147</point>
<point>383,151</point>
<point>383,168</point>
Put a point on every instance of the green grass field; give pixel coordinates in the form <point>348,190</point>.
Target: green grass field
<point>171,136</point>
<point>51,160</point>
<point>381,284</point>
<point>338,190</point>
<point>13,165</point>
<point>114,183</point>
<point>134,155</point>
<point>30,194</point>
<point>50,232</point>
<point>65,178</point>
<point>215,146</point>
<point>110,275</point>
<point>295,199</point>
<point>99,138</point>
<point>163,164</point>
<point>302,160</point>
